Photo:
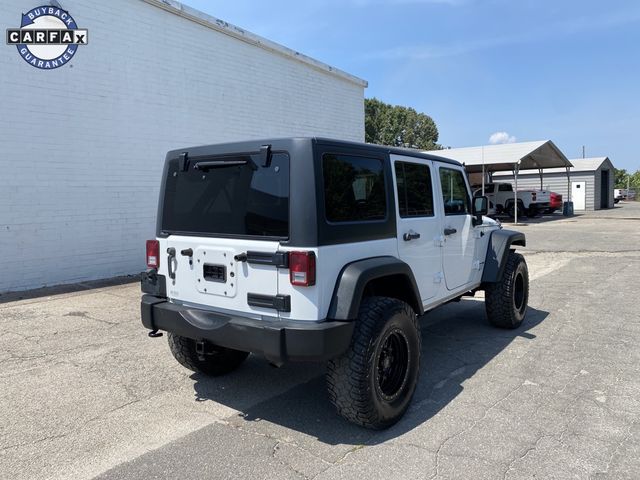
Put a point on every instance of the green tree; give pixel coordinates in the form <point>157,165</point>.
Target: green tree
<point>635,183</point>
<point>621,178</point>
<point>399,126</point>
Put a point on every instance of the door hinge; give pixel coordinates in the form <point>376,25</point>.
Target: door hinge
<point>439,241</point>
<point>477,264</point>
<point>438,277</point>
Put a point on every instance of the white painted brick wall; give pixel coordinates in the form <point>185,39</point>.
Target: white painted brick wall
<point>82,147</point>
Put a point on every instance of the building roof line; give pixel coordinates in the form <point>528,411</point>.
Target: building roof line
<point>226,28</point>
<point>505,157</point>
<point>580,165</point>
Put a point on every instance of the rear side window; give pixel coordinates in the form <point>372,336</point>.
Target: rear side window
<point>415,193</point>
<point>454,192</point>
<point>505,187</point>
<point>236,197</point>
<point>353,188</point>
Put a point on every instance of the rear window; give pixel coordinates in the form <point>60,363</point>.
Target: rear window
<point>353,188</point>
<point>237,197</point>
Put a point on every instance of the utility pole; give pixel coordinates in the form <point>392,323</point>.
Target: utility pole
<point>583,152</point>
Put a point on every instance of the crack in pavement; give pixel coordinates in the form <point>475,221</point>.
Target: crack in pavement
<point>615,452</point>
<point>469,428</point>
<point>33,442</point>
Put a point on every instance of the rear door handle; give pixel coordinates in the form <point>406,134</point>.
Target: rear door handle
<point>172,256</point>
<point>410,235</point>
<point>450,231</point>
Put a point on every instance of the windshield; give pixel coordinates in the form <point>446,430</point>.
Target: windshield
<point>236,197</point>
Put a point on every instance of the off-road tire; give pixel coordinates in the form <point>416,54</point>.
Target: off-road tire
<point>359,383</point>
<point>221,361</point>
<point>506,300</point>
<point>510,211</point>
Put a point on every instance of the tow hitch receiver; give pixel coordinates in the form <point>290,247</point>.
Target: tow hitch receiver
<point>204,349</point>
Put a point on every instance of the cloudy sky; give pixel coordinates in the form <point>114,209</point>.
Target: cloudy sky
<point>485,70</point>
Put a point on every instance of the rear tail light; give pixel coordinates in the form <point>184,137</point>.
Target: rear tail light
<point>153,253</point>
<point>302,268</point>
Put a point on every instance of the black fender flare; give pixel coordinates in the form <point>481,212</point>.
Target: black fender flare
<point>500,243</point>
<point>355,276</point>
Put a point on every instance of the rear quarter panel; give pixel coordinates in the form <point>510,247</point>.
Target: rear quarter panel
<point>312,303</point>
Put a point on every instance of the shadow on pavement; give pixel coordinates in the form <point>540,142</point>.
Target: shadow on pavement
<point>457,341</point>
<point>67,288</point>
<point>545,218</point>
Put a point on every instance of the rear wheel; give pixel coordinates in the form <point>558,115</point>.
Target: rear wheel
<point>213,360</point>
<point>506,300</point>
<point>373,382</point>
<point>511,211</point>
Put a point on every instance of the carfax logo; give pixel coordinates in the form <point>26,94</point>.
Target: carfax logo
<point>48,37</point>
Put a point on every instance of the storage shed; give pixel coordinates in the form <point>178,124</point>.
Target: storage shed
<point>83,145</point>
<point>592,181</point>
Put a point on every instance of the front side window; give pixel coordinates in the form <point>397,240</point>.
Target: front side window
<point>413,185</point>
<point>454,192</point>
<point>353,188</point>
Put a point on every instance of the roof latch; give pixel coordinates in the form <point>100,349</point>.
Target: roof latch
<point>265,155</point>
<point>183,162</point>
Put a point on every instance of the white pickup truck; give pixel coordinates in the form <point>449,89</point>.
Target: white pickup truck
<point>501,199</point>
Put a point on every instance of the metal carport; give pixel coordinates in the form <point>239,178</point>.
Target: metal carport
<point>511,157</point>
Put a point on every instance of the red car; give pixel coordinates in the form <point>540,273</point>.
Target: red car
<point>555,203</point>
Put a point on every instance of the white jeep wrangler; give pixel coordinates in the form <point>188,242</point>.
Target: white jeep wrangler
<point>312,249</point>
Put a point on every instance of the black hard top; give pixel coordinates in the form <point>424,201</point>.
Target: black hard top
<point>289,143</point>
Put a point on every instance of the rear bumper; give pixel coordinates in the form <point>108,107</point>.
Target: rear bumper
<point>279,341</point>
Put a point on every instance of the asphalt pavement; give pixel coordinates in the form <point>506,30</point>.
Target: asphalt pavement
<point>85,393</point>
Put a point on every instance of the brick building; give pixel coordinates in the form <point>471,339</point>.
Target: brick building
<point>83,145</point>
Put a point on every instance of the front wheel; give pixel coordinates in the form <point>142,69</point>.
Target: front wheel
<point>506,300</point>
<point>373,382</point>
<point>213,361</point>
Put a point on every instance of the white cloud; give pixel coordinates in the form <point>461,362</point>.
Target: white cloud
<point>501,137</point>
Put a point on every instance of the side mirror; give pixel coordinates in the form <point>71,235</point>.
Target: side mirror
<point>480,208</point>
